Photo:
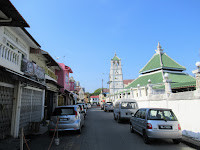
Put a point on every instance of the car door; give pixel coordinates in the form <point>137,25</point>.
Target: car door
<point>141,120</point>
<point>135,120</point>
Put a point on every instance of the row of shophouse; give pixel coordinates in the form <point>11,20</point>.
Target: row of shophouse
<point>32,83</point>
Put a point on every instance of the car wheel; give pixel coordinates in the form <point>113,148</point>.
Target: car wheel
<point>79,131</point>
<point>114,117</point>
<point>131,129</point>
<point>118,119</point>
<point>176,141</point>
<point>146,139</point>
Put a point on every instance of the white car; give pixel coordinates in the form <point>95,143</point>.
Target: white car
<point>124,109</point>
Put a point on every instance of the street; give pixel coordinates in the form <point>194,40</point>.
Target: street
<point>102,132</point>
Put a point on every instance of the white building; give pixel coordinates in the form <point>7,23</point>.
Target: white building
<point>94,99</point>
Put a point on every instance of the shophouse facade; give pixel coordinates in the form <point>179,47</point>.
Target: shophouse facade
<point>45,61</point>
<point>22,82</point>
<point>66,97</point>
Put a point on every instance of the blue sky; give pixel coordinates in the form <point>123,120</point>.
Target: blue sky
<point>85,34</point>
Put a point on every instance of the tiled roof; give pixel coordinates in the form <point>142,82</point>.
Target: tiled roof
<point>115,58</point>
<point>128,81</point>
<point>94,96</point>
<point>159,61</point>
<point>159,64</point>
<point>170,63</point>
<point>152,64</point>
<point>143,80</point>
<point>180,78</point>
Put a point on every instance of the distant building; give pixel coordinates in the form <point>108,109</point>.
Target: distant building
<point>127,82</point>
<point>94,99</point>
<point>103,95</point>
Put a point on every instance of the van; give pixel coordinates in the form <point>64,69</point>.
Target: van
<point>124,109</point>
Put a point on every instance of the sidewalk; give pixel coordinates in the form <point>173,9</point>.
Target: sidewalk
<point>14,144</point>
<point>191,142</point>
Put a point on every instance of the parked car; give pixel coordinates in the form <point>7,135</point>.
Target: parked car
<point>88,105</point>
<point>156,123</point>
<point>83,108</point>
<point>124,109</point>
<point>108,106</point>
<point>68,118</point>
<point>102,106</point>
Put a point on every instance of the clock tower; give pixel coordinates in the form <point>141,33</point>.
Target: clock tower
<point>116,76</point>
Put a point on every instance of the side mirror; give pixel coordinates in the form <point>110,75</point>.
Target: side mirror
<point>132,114</point>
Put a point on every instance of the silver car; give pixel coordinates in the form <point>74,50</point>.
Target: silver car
<point>68,118</point>
<point>83,108</point>
<point>156,123</point>
<point>108,106</point>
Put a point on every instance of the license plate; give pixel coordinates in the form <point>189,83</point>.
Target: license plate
<point>165,127</point>
<point>63,119</point>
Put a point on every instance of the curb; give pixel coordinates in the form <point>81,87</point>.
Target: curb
<point>191,142</point>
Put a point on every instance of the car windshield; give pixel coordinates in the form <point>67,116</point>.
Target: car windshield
<point>128,105</point>
<point>61,111</point>
<point>166,115</point>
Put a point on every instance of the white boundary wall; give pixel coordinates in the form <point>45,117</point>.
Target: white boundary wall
<point>185,105</point>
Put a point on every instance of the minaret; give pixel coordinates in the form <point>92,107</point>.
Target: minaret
<point>116,76</point>
<point>159,49</point>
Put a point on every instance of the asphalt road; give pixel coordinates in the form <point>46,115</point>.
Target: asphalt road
<point>102,132</point>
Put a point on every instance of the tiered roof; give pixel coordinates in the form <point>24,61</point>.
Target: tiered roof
<point>155,69</point>
<point>160,61</point>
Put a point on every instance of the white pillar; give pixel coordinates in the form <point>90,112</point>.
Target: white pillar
<point>139,90</point>
<point>149,86</point>
<point>197,75</point>
<point>16,110</point>
<point>167,82</point>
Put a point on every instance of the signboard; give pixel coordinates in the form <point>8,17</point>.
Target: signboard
<point>32,70</point>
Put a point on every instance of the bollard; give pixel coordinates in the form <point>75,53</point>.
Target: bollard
<point>57,141</point>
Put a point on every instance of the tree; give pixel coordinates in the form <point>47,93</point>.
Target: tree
<point>97,92</point>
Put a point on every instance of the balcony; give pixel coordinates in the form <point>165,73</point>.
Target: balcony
<point>50,73</point>
<point>10,58</point>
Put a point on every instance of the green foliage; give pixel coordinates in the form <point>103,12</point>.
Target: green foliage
<point>96,92</point>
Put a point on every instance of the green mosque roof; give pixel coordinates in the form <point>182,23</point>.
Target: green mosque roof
<point>161,60</point>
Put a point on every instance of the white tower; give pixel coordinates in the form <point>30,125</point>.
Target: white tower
<point>116,76</point>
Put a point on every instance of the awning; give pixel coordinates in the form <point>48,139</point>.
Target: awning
<point>52,82</point>
<point>24,79</point>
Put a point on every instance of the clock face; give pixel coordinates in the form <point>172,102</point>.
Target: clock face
<point>116,72</point>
